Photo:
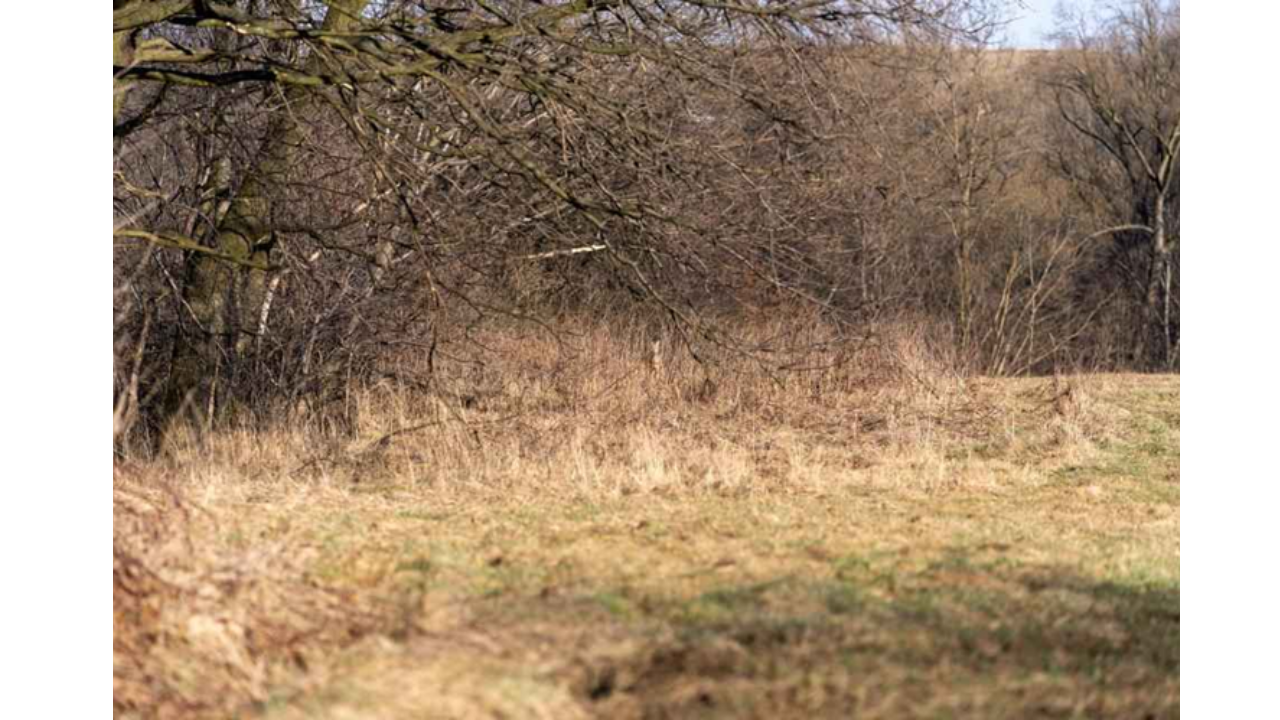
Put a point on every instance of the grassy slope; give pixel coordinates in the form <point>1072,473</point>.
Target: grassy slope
<point>1023,562</point>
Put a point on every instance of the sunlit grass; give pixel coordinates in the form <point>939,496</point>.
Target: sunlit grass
<point>990,553</point>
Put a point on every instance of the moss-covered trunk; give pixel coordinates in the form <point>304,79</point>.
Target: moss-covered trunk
<point>222,300</point>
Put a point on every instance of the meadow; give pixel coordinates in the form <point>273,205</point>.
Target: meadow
<point>619,536</point>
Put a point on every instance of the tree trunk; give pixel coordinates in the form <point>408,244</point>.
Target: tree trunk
<point>1158,340</point>
<point>964,267</point>
<point>224,300</point>
<point>203,347</point>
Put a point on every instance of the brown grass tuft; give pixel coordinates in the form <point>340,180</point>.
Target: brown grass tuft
<point>203,625</point>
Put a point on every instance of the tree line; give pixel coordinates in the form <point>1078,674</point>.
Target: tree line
<point>305,189</point>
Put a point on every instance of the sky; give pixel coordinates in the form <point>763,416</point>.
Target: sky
<point>1035,19</point>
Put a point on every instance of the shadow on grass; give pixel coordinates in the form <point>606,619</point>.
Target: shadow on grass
<point>965,635</point>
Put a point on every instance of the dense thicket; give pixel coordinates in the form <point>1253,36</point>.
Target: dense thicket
<point>308,192</point>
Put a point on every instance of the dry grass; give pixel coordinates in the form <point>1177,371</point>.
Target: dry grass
<point>583,534</point>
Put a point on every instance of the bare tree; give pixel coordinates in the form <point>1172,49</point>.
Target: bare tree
<point>438,141</point>
<point>976,138</point>
<point>1116,87</point>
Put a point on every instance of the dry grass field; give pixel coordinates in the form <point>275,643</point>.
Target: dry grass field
<point>614,539</point>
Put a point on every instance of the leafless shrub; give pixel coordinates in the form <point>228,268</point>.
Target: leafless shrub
<point>302,236</point>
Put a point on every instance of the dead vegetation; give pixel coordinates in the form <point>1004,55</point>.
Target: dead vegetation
<point>607,538</point>
<point>643,359</point>
<point>201,627</point>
